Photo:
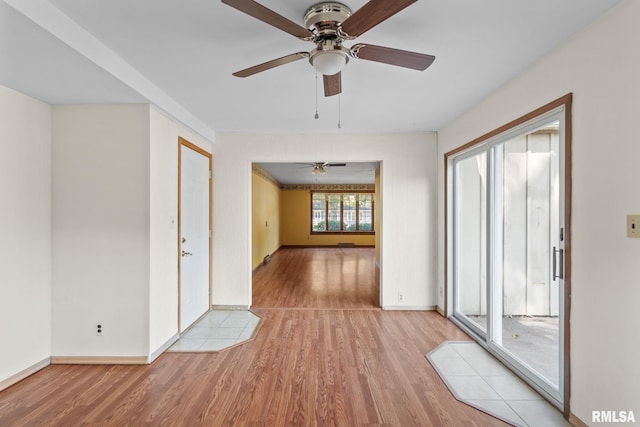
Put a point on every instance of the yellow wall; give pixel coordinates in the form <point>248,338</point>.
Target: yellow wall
<point>265,200</point>
<point>282,218</point>
<point>295,214</point>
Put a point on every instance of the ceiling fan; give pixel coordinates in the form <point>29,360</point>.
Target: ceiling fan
<point>319,168</point>
<point>327,25</point>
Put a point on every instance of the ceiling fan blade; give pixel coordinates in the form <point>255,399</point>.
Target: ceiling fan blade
<point>371,14</point>
<point>268,16</point>
<point>333,165</point>
<point>271,64</point>
<point>387,55</point>
<point>332,84</point>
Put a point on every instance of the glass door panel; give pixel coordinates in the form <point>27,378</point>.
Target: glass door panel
<point>527,222</point>
<point>471,240</point>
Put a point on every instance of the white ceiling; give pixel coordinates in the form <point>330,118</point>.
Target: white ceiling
<point>179,55</point>
<point>300,173</point>
<point>186,50</point>
<point>34,62</point>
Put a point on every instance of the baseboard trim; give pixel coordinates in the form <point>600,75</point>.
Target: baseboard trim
<point>328,246</point>
<point>163,348</point>
<point>409,307</point>
<point>229,307</point>
<point>99,360</point>
<point>263,263</point>
<point>440,311</point>
<point>575,421</point>
<point>16,378</point>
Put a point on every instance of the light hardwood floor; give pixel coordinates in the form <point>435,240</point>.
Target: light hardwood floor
<point>317,278</point>
<point>323,358</point>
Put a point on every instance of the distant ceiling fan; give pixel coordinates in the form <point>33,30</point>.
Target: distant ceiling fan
<point>319,168</point>
<point>327,26</point>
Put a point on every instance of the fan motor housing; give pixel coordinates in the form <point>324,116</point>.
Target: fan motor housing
<point>323,19</point>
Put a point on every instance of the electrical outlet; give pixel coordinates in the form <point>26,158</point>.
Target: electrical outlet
<point>99,328</point>
<point>400,297</point>
<point>633,225</point>
<point>441,292</point>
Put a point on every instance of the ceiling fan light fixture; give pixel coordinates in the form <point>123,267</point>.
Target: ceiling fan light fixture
<point>329,62</point>
<point>327,25</point>
<point>318,170</point>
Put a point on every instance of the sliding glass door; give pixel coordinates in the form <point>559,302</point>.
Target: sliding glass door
<point>471,238</point>
<point>528,217</point>
<point>506,240</point>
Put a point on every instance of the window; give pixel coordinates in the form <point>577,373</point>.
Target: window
<point>341,212</point>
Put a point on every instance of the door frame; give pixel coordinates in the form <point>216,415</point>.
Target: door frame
<point>184,143</point>
<point>378,222</point>
<point>566,102</point>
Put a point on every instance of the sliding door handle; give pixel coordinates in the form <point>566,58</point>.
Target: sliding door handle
<point>558,264</point>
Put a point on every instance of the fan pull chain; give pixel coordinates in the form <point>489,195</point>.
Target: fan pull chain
<point>339,112</point>
<point>317,116</point>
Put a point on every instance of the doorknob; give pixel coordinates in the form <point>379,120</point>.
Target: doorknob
<point>185,253</point>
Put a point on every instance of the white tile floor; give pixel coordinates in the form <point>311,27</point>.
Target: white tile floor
<point>218,330</point>
<point>478,379</point>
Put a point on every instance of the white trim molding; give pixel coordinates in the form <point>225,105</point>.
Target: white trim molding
<point>99,360</point>
<point>25,373</point>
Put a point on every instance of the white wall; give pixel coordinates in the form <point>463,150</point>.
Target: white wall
<point>25,246</point>
<point>600,65</point>
<point>408,206</point>
<point>163,243</point>
<point>100,225</point>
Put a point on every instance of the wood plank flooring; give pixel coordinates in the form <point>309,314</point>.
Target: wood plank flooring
<point>317,278</point>
<point>328,366</point>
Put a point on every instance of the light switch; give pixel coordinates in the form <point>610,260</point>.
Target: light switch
<point>633,225</point>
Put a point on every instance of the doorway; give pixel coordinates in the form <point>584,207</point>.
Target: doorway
<point>194,233</point>
<point>328,217</point>
<point>508,204</point>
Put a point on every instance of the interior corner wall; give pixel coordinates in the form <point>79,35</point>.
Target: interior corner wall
<point>377,213</point>
<point>265,218</point>
<point>100,230</point>
<point>296,224</point>
<point>25,247</point>
<point>163,227</point>
<point>408,207</point>
<point>598,66</point>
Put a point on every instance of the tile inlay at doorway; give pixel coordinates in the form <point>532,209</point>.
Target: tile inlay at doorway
<point>218,330</point>
<point>476,378</point>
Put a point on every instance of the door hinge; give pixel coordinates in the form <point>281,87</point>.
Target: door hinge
<point>562,234</point>
<point>210,234</point>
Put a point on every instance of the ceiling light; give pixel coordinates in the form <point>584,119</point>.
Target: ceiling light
<point>318,170</point>
<point>329,62</point>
